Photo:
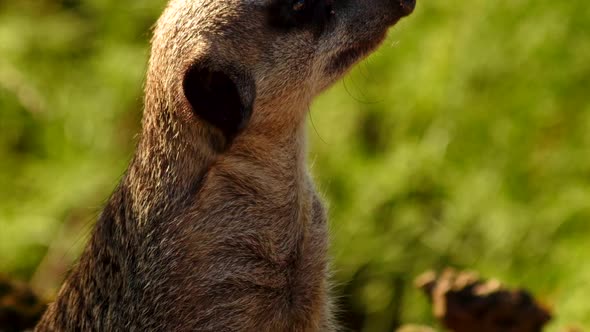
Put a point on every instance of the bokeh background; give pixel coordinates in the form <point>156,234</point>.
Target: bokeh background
<point>464,141</point>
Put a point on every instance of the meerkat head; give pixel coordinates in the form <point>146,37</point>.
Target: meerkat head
<point>223,60</point>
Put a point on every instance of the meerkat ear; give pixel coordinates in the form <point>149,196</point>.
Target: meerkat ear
<point>222,97</point>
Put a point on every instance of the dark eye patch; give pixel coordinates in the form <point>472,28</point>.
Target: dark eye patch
<point>294,14</point>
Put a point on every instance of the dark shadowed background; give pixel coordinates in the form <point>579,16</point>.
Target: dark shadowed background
<point>464,141</point>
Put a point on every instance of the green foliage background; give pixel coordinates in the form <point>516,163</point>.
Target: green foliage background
<point>464,141</point>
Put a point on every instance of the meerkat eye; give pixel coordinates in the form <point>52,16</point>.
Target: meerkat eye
<point>300,13</point>
<point>299,5</point>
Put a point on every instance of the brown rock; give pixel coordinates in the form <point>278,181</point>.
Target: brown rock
<point>465,303</point>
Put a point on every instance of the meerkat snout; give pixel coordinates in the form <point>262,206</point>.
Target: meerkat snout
<point>407,6</point>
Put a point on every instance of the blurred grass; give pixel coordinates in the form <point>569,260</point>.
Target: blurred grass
<point>464,141</point>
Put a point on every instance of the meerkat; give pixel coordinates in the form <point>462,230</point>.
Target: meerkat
<point>216,225</point>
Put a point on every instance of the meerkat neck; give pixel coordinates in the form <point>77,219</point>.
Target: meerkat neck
<point>285,153</point>
<point>170,162</point>
<point>176,152</point>
<point>276,136</point>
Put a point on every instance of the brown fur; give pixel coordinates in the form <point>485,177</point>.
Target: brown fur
<point>218,227</point>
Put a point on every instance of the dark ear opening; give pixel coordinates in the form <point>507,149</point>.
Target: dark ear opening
<point>218,98</point>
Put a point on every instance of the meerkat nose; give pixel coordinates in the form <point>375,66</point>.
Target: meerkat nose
<point>407,6</point>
